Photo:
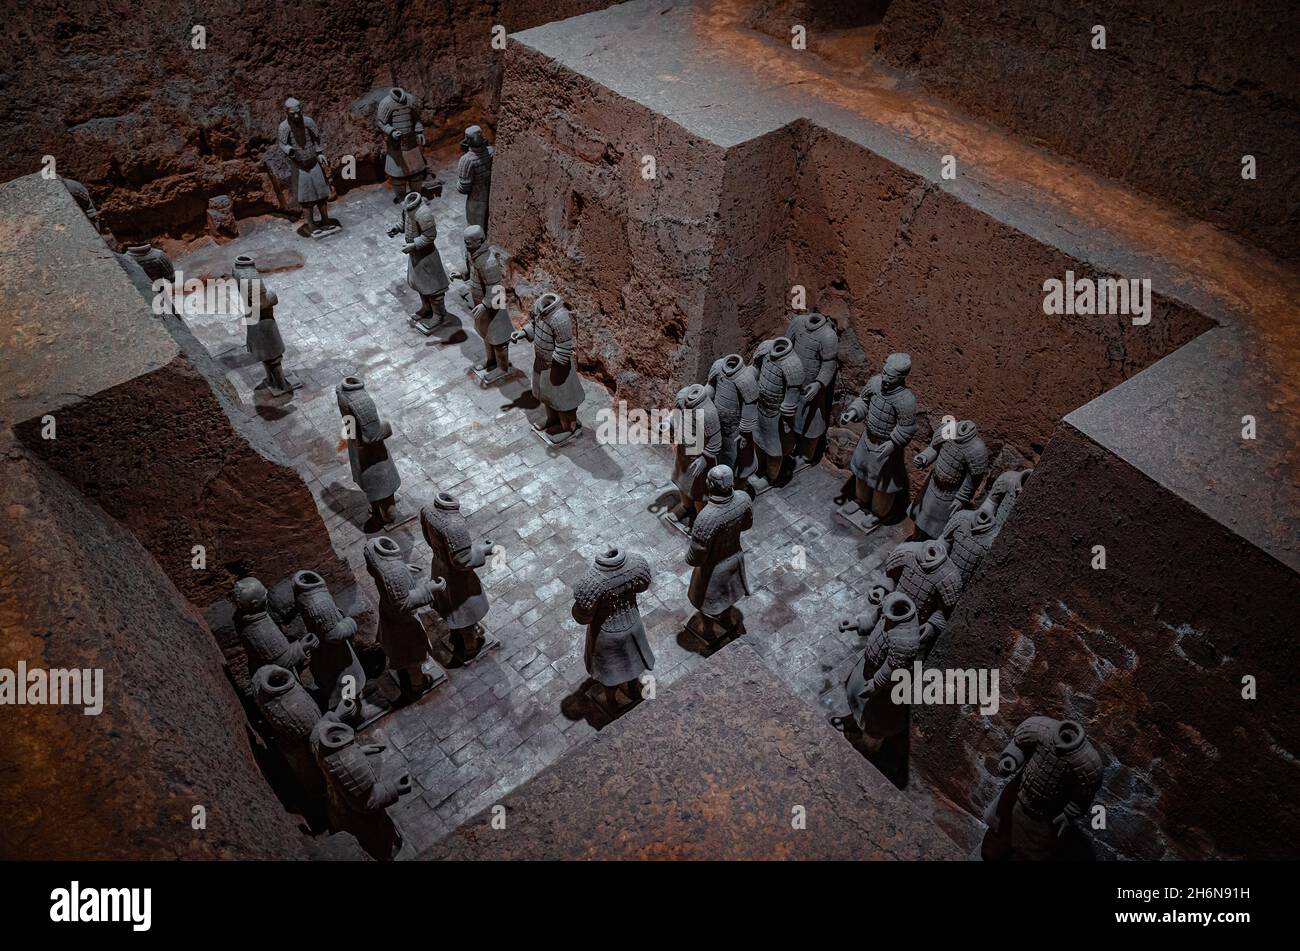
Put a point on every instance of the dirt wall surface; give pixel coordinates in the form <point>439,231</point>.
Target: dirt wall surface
<point>139,428</point>
<point>1179,95</point>
<point>154,128</point>
<point>1149,654</point>
<point>78,591</point>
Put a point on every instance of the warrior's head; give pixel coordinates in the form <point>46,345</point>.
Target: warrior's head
<point>293,109</point>
<point>474,138</point>
<point>474,237</point>
<point>721,483</point>
<point>894,374</point>
<point>248,596</point>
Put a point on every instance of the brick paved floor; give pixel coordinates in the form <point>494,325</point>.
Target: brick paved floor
<point>499,721</point>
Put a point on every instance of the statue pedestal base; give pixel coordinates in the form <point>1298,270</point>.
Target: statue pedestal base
<point>490,378</point>
<point>715,633</point>
<point>427,325</point>
<point>852,515</point>
<point>676,519</point>
<point>403,512</point>
<point>445,651</point>
<point>560,439</point>
<point>322,231</point>
<point>289,378</point>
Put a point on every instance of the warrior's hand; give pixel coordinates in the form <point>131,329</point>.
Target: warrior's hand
<point>516,336</point>
<point>478,311</point>
<point>310,642</point>
<point>408,248</point>
<point>955,507</point>
<point>1008,764</point>
<point>420,138</point>
<point>742,441</point>
<point>849,416</point>
<point>438,585</point>
<point>396,136</point>
<point>811,390</point>
<point>394,231</point>
<point>1061,824</point>
<point>920,460</point>
<point>848,624</point>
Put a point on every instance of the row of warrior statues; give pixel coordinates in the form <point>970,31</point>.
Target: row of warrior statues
<point>756,424</point>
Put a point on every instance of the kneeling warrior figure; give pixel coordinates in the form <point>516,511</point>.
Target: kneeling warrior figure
<point>300,141</point>
<point>373,468</point>
<point>893,643</point>
<point>716,553</point>
<point>398,117</point>
<point>734,387</point>
<point>401,632</point>
<point>818,347</point>
<point>878,464</point>
<point>456,557</point>
<point>262,336</point>
<point>262,638</point>
<point>1056,787</point>
<point>358,794</point>
<point>780,385</point>
<point>960,463</point>
<point>488,298</point>
<point>604,599</point>
<point>697,434</point>
<point>424,271</point>
<point>556,384</point>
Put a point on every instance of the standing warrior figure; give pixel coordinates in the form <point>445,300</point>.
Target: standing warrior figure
<point>734,388</point>
<point>818,346</point>
<point>969,534</point>
<point>1057,785</point>
<point>961,461</point>
<point>695,430</point>
<point>556,384</point>
<point>357,793</point>
<point>263,641</point>
<point>456,557</point>
<point>893,643</point>
<point>474,176</point>
<point>604,599</point>
<point>398,117</point>
<point>291,714</point>
<point>300,141</point>
<point>424,270</point>
<point>262,334</point>
<point>879,466</point>
<point>719,580</point>
<point>1003,494</point>
<point>487,294</point>
<point>334,665</point>
<point>780,383</point>
<point>373,469</point>
<point>924,572</point>
<point>401,632</point>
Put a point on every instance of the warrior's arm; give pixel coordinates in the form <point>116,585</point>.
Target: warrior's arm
<point>905,424</point>
<point>345,630</point>
<point>830,361</point>
<point>465,173</point>
<point>748,415</point>
<point>697,552</point>
<point>1024,741</point>
<point>286,146</point>
<point>385,431</point>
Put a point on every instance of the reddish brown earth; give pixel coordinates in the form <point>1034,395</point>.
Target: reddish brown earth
<point>154,128</point>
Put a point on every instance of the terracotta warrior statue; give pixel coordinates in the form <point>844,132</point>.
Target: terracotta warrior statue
<point>604,599</point>
<point>556,384</point>
<point>697,434</point>
<point>373,468</point>
<point>969,534</point>
<point>893,643</point>
<point>424,271</point>
<point>398,118</point>
<point>960,462</point>
<point>457,558</point>
<point>734,386</point>
<point>1060,772</point>
<point>474,174</point>
<point>401,632</point>
<point>716,553</point>
<point>924,572</point>
<point>291,714</point>
<point>338,673</point>
<point>155,263</point>
<point>879,465</point>
<point>263,641</point>
<point>358,793</point>
<point>817,344</point>
<point>262,333</point>
<point>487,292</point>
<point>780,384</point>
<point>1003,494</point>
<point>300,141</point>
